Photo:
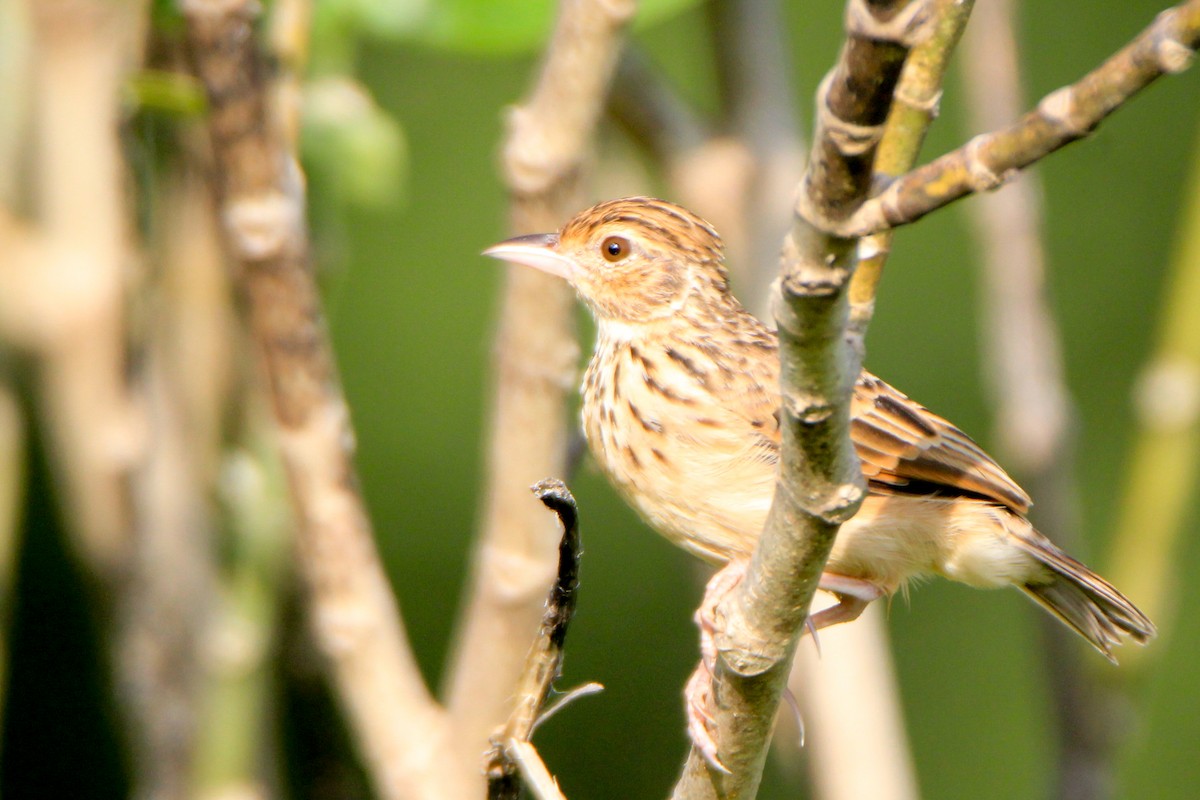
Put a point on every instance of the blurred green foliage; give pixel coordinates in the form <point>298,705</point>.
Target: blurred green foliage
<point>484,27</point>
<point>412,313</point>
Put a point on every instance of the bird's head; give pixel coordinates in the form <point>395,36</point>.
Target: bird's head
<point>631,260</point>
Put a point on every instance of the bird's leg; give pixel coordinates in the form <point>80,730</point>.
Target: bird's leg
<point>698,694</point>
<point>853,594</point>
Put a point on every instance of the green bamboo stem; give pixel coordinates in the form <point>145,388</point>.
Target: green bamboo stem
<point>1161,481</point>
<point>1166,46</point>
<point>229,753</point>
<point>915,108</point>
<point>12,490</point>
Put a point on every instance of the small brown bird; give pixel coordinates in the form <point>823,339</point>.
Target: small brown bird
<point>680,409</point>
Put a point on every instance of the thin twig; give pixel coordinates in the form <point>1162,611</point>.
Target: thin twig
<point>918,96</point>
<point>535,365</point>
<point>1024,362</point>
<point>820,483</point>
<point>400,729</point>
<point>511,752</point>
<point>1166,47</point>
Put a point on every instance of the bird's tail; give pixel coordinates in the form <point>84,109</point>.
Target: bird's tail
<point>1083,600</point>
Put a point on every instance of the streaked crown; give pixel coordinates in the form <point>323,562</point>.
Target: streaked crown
<point>639,258</point>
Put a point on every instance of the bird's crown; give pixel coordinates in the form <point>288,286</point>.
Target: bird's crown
<point>657,225</point>
<point>640,258</point>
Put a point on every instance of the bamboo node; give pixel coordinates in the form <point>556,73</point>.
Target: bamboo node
<point>917,100</point>
<point>850,139</point>
<point>1173,55</point>
<point>983,177</point>
<point>1060,108</point>
<point>911,26</point>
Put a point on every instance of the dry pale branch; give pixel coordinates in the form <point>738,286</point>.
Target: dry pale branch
<point>535,356</point>
<point>652,112</point>
<point>1023,348</point>
<point>820,483</point>
<point>512,755</point>
<point>400,729</point>
<point>1062,117</point>
<point>1023,359</point>
<point>854,726</point>
<point>71,300</point>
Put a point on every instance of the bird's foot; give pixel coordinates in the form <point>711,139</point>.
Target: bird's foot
<point>853,594</point>
<point>701,726</point>
<point>698,695</point>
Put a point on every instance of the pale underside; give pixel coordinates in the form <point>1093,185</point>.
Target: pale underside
<point>686,428</point>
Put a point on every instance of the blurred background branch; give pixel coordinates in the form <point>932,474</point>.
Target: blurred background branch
<point>1033,408</point>
<point>81,52</point>
<point>546,149</point>
<point>1160,479</point>
<point>12,484</point>
<point>402,732</point>
<point>754,68</point>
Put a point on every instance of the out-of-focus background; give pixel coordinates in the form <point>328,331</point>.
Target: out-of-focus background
<point>401,207</point>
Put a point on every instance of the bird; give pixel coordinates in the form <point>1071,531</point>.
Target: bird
<point>680,409</point>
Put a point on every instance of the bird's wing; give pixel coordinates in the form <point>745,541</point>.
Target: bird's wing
<point>903,446</point>
<point>906,447</point>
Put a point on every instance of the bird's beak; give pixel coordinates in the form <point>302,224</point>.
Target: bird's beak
<point>537,250</point>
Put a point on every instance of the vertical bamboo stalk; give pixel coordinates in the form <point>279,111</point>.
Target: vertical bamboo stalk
<point>1164,467</point>
<point>12,481</point>
<point>1023,361</point>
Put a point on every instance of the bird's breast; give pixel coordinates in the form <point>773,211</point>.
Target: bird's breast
<point>665,428</point>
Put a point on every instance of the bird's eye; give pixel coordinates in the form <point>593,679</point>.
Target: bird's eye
<point>615,248</point>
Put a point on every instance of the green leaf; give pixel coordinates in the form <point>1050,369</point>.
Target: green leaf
<point>500,27</point>
<point>353,143</point>
<point>171,93</point>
